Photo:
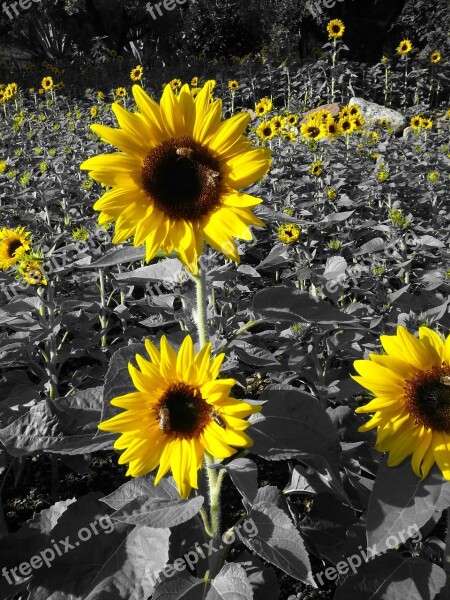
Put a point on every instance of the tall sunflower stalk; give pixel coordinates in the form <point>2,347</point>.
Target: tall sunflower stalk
<point>335,30</point>
<point>174,186</point>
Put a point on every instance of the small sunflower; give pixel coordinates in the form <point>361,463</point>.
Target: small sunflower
<point>233,85</point>
<point>180,409</point>
<point>289,233</point>
<point>175,84</point>
<point>314,128</point>
<point>194,82</point>
<point>261,109</point>
<point>316,168</point>
<point>120,92</point>
<point>411,385</point>
<point>358,122</point>
<point>266,130</point>
<point>290,136</point>
<point>100,95</point>
<point>404,47</point>
<point>292,120</point>
<point>137,73</point>
<point>435,57</point>
<point>347,125</point>
<point>176,181</point>
<point>47,83</point>
<point>324,115</point>
<point>354,111</point>
<point>335,29</point>
<point>30,268</point>
<point>333,129</point>
<point>93,111</point>
<point>416,122</point>
<point>195,92</point>
<point>277,123</point>
<point>344,112</point>
<point>426,123</point>
<point>13,245</point>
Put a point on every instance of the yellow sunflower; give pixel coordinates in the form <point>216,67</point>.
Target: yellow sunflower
<point>347,125</point>
<point>175,182</point>
<point>93,111</point>
<point>316,168</point>
<point>13,245</point>
<point>435,57</point>
<point>137,73</point>
<point>333,129</point>
<point>261,109</point>
<point>266,130</point>
<point>277,123</point>
<point>292,120</point>
<point>121,92</point>
<point>411,384</point>
<point>195,92</point>
<point>314,128</point>
<point>233,85</point>
<point>404,47</point>
<point>335,29</point>
<point>179,411</point>
<point>416,122</point>
<point>289,233</point>
<point>194,82</point>
<point>175,84</point>
<point>47,83</point>
<point>426,123</point>
<point>30,269</point>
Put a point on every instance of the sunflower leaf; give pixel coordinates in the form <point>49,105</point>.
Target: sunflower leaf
<point>159,513</point>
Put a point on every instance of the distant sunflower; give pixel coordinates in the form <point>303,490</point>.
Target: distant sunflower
<point>411,384</point>
<point>426,123</point>
<point>354,110</point>
<point>47,83</point>
<point>261,109</point>
<point>13,245</point>
<point>316,168</point>
<point>404,47</point>
<point>195,92</point>
<point>194,82</point>
<point>347,125</point>
<point>290,136</point>
<point>435,57</point>
<point>333,129</point>
<point>121,92</point>
<point>314,128</point>
<point>175,84</point>
<point>278,123</point>
<point>416,122</point>
<point>266,130</point>
<point>180,410</point>
<point>137,73</point>
<point>324,115</point>
<point>289,233</point>
<point>93,111</point>
<point>335,29</point>
<point>233,85</point>
<point>292,120</point>
<point>177,178</point>
<point>31,270</point>
<point>344,112</point>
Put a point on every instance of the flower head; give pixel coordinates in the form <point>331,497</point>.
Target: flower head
<point>416,122</point>
<point>289,233</point>
<point>47,83</point>
<point>13,245</point>
<point>314,128</point>
<point>180,409</point>
<point>120,92</point>
<point>316,168</point>
<point>335,29</point>
<point>411,407</point>
<point>266,130</point>
<point>233,85</point>
<point>404,47</point>
<point>137,73</point>
<point>31,269</point>
<point>176,181</point>
<point>435,57</point>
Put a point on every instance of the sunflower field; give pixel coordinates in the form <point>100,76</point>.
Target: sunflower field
<point>224,312</point>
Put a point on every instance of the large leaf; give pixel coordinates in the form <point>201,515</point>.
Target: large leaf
<point>64,426</point>
<point>291,422</point>
<point>244,475</point>
<point>401,503</point>
<point>155,512</point>
<point>261,577</point>
<point>118,256</point>
<point>275,539</point>
<point>391,577</point>
<point>169,269</point>
<point>282,303</point>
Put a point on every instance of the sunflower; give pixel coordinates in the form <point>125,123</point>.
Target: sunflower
<point>324,115</point>
<point>175,84</point>
<point>290,136</point>
<point>333,129</point>
<point>354,111</point>
<point>261,109</point>
<point>435,57</point>
<point>195,92</point>
<point>30,269</point>
<point>416,122</point>
<point>194,82</point>
<point>13,245</point>
<point>289,233</point>
<point>292,120</point>
<point>233,85</point>
<point>3,97</point>
<point>277,123</point>
<point>347,125</point>
<point>120,92</point>
<point>47,83</point>
<point>175,182</point>
<point>316,168</point>
<point>335,29</point>
<point>266,130</point>
<point>100,95</point>
<point>426,123</point>
<point>404,47</point>
<point>93,111</point>
<point>411,384</point>
<point>136,73</point>
<point>178,411</point>
<point>314,128</point>
<point>358,122</point>
<point>344,112</point>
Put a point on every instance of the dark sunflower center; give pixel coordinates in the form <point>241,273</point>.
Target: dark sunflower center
<point>13,246</point>
<point>336,28</point>
<point>267,131</point>
<point>428,398</point>
<point>182,178</point>
<point>182,411</point>
<point>346,125</point>
<point>314,131</point>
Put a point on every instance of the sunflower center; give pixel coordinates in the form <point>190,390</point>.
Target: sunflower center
<point>428,398</point>
<point>314,131</point>
<point>182,178</point>
<point>13,246</point>
<point>182,411</point>
<point>336,29</point>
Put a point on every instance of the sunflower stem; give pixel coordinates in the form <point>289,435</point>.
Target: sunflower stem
<point>446,562</point>
<point>205,520</point>
<point>201,316</point>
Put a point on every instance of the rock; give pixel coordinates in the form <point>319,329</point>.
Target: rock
<point>333,108</point>
<point>373,112</point>
<point>408,132</point>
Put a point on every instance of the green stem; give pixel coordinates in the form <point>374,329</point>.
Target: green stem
<point>215,483</point>
<point>446,561</point>
<point>200,282</point>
